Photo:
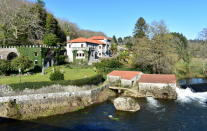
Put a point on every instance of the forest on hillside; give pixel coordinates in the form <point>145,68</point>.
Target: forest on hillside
<point>24,22</point>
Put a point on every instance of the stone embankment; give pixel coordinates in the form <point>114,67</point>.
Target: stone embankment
<point>31,104</point>
<point>155,92</point>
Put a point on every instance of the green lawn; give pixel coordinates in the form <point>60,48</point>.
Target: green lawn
<point>70,74</point>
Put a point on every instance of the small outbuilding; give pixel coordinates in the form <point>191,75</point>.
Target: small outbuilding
<point>158,85</point>
<point>125,78</point>
<point>157,80</point>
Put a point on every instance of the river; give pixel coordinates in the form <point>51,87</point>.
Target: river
<point>187,113</point>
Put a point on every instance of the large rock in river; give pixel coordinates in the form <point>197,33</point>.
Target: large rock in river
<point>126,104</point>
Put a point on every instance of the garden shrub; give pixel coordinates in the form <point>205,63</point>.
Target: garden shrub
<point>108,65</point>
<point>5,67</point>
<point>56,76</point>
<point>22,63</point>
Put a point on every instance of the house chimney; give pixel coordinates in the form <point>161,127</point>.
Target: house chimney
<point>68,38</point>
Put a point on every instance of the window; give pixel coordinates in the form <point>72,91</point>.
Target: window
<point>99,47</point>
<point>69,45</point>
<point>77,54</point>
<point>36,62</point>
<point>35,53</point>
<point>83,54</point>
<point>81,45</point>
<point>99,54</point>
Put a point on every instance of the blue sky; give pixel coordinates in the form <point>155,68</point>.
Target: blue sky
<point>118,17</point>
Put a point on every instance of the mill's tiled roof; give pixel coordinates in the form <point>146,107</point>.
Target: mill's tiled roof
<point>157,78</point>
<point>85,40</point>
<point>125,74</point>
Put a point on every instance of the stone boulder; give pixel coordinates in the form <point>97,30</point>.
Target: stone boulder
<point>126,104</point>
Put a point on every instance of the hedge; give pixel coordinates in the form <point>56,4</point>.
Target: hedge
<point>94,80</point>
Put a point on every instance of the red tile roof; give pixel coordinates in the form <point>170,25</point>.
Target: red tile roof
<point>157,78</point>
<point>85,40</point>
<point>125,74</point>
<point>98,38</point>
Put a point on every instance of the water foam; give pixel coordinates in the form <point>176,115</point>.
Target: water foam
<point>153,102</point>
<point>154,105</point>
<point>188,96</point>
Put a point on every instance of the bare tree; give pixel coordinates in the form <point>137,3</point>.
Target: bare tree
<point>19,20</point>
<point>203,34</point>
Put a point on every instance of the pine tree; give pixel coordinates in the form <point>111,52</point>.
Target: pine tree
<point>140,28</point>
<point>120,41</point>
<point>41,2</point>
<point>114,39</point>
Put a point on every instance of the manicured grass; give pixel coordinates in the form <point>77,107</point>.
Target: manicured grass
<point>70,74</point>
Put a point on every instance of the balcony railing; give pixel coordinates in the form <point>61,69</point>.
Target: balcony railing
<point>80,48</point>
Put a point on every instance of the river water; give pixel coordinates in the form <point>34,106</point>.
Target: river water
<point>187,113</point>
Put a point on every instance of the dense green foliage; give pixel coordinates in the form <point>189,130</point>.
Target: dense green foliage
<point>114,40</point>
<point>155,54</point>
<point>22,63</point>
<point>60,58</point>
<point>94,80</point>
<point>140,28</point>
<point>108,65</point>
<point>181,46</point>
<point>56,76</point>
<point>50,39</point>
<point>5,67</point>
<point>113,49</point>
<point>33,54</point>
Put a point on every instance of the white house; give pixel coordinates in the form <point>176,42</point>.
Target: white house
<point>89,49</point>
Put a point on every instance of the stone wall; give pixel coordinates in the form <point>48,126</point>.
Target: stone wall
<point>4,52</point>
<point>32,106</point>
<point>158,90</point>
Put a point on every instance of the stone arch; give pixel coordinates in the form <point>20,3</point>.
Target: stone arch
<point>11,56</point>
<point>8,53</point>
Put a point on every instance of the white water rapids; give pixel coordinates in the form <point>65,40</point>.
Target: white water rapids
<point>183,96</point>
<point>188,96</point>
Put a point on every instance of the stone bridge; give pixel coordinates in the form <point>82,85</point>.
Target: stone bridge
<point>8,53</point>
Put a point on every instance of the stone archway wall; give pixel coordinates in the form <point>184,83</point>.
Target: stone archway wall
<point>4,52</point>
<point>11,56</point>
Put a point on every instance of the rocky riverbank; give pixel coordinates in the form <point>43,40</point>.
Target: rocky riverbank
<point>155,92</point>
<point>31,105</point>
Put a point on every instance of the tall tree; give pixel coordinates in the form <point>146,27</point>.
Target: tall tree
<point>120,41</point>
<point>203,35</point>
<point>156,54</point>
<point>41,2</point>
<point>113,49</point>
<point>114,40</point>
<point>51,25</point>
<point>181,46</point>
<point>140,28</point>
